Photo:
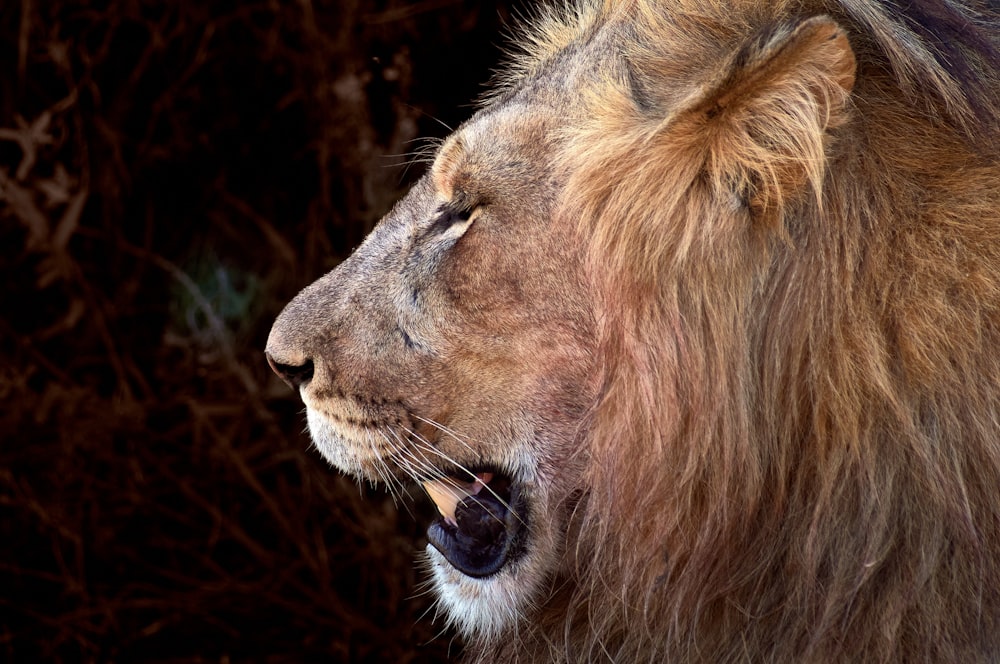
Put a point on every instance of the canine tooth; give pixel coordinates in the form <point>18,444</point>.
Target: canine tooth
<point>448,493</point>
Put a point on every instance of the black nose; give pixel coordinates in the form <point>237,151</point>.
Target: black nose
<point>296,375</point>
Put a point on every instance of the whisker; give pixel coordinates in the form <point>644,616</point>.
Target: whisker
<point>386,479</point>
<point>426,114</point>
<point>424,470</point>
<point>455,436</point>
<point>425,444</point>
<point>404,458</point>
<point>423,154</point>
<point>444,630</point>
<point>451,433</point>
<point>385,475</point>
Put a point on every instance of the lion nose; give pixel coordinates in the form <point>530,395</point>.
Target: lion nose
<point>296,375</point>
<point>291,348</point>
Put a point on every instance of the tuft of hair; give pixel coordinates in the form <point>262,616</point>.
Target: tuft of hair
<point>793,214</point>
<point>544,30</point>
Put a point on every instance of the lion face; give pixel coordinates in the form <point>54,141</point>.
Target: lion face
<point>461,346</point>
<point>438,353</point>
<point>691,334</point>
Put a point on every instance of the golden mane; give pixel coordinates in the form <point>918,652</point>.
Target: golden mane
<point>798,249</point>
<point>942,57</point>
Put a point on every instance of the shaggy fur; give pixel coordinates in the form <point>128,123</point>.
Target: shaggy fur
<point>797,452</point>
<point>716,285</point>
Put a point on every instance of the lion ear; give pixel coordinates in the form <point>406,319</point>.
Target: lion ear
<point>765,122</point>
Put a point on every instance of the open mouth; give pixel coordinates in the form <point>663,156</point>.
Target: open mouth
<point>481,524</point>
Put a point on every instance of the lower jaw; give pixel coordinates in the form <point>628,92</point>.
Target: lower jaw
<point>483,609</point>
<point>485,532</point>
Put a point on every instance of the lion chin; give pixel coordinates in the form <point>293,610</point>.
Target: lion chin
<point>480,548</point>
<point>691,335</point>
<point>474,544</point>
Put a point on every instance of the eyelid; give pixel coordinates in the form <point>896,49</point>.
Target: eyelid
<point>451,215</point>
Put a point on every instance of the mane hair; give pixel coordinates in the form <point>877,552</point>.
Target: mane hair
<point>795,240</point>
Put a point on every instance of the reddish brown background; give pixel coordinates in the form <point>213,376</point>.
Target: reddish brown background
<point>170,174</point>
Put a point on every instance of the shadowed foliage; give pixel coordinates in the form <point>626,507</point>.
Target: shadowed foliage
<point>170,174</point>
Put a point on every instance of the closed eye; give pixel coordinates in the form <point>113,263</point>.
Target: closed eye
<point>451,222</point>
<point>449,216</point>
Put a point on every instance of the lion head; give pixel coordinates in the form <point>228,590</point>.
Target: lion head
<point>692,333</point>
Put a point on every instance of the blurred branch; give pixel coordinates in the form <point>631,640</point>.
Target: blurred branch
<point>23,38</point>
<point>170,173</point>
<point>283,249</point>
<point>219,332</point>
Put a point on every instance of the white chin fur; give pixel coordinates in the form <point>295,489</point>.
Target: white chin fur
<point>331,444</point>
<point>481,608</point>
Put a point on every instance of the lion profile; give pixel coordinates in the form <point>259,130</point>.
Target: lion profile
<point>692,333</point>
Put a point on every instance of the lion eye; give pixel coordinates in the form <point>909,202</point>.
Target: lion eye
<point>452,218</point>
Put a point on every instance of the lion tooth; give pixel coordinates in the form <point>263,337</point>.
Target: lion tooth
<point>447,493</point>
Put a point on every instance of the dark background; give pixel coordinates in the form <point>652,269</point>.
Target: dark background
<point>171,173</point>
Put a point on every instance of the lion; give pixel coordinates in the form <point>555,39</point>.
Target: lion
<point>692,334</point>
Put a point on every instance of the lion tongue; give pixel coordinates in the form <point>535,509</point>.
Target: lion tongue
<point>447,493</point>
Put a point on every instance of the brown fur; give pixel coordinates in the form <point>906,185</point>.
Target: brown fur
<point>787,220</point>
<point>803,392</point>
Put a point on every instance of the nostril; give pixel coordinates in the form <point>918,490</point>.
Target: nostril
<point>296,375</point>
